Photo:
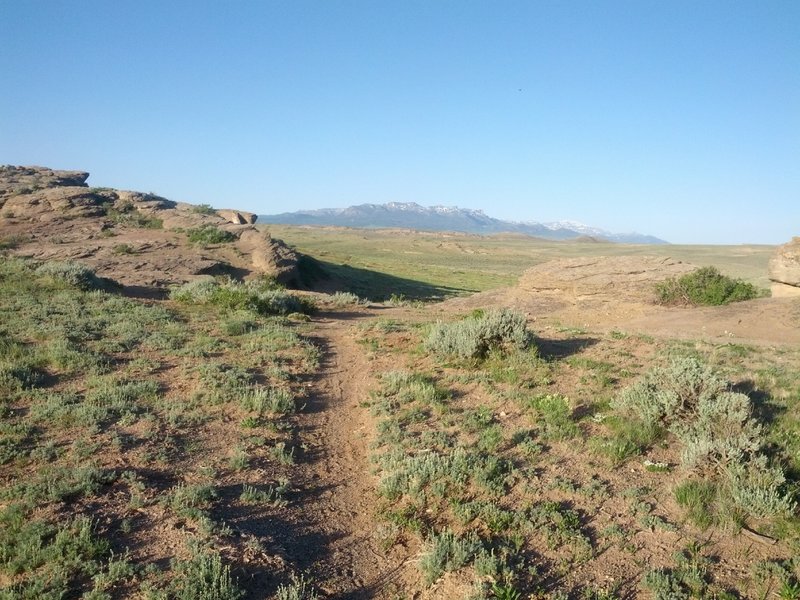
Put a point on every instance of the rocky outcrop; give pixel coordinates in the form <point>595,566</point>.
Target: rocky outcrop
<point>24,180</point>
<point>602,274</point>
<point>237,217</point>
<point>136,238</point>
<point>784,269</point>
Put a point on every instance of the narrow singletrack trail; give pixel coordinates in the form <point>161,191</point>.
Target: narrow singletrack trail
<point>339,543</point>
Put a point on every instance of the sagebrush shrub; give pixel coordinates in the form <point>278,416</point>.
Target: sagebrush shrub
<point>340,299</point>
<point>689,399</point>
<point>204,576</point>
<point>475,337</point>
<point>236,296</point>
<point>716,428</point>
<point>705,286</point>
<point>74,274</point>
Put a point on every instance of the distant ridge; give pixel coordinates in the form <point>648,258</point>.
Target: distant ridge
<point>410,215</point>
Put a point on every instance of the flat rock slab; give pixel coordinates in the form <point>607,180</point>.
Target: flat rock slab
<point>602,274</point>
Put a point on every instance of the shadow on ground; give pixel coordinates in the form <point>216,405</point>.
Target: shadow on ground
<point>554,349</point>
<point>330,277</point>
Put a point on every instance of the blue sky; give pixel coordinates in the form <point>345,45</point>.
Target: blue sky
<point>679,119</point>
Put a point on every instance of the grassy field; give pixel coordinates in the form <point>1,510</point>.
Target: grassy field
<point>138,438</point>
<point>379,263</point>
<point>549,468</point>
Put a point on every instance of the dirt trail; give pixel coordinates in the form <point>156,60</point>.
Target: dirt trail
<point>340,548</point>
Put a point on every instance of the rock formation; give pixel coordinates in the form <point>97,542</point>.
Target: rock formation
<point>784,269</point>
<point>237,217</point>
<point>633,275</point>
<point>138,239</point>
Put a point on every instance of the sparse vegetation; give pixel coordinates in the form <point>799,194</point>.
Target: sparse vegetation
<point>204,209</point>
<point>197,432</point>
<point>90,413</point>
<point>209,234</point>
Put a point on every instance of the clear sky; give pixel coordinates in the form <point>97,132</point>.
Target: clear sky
<point>676,118</point>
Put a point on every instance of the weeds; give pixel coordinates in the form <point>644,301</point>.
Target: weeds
<point>554,416</point>
<point>273,495</point>
<point>300,589</point>
<point>203,577</point>
<point>447,552</point>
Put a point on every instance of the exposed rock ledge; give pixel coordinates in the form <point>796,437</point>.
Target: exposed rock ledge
<point>139,239</point>
<point>784,269</point>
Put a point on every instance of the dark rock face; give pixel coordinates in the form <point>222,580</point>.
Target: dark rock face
<point>784,269</point>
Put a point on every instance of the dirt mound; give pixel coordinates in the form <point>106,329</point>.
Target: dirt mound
<point>616,293</point>
<point>137,239</point>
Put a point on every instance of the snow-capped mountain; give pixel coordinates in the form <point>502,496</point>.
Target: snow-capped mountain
<point>410,215</point>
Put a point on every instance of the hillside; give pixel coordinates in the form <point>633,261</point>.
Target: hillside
<point>134,238</point>
<point>409,215</point>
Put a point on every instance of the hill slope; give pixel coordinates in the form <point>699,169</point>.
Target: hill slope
<point>137,239</point>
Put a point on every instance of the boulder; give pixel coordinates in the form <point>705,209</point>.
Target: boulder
<point>237,217</point>
<point>784,269</point>
<point>268,255</point>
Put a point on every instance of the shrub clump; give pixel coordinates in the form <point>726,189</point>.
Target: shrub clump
<point>233,295</point>
<point>705,286</point>
<point>689,399</point>
<point>475,336</point>
<point>209,234</point>
<point>716,428</point>
<point>204,209</point>
<point>74,274</point>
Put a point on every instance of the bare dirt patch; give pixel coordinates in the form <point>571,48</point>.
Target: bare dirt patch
<point>339,542</point>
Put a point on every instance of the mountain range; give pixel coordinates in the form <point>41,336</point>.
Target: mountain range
<point>410,215</point>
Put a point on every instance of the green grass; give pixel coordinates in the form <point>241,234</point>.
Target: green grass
<point>106,410</point>
<point>697,499</point>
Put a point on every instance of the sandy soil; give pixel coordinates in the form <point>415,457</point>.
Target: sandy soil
<point>340,541</point>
